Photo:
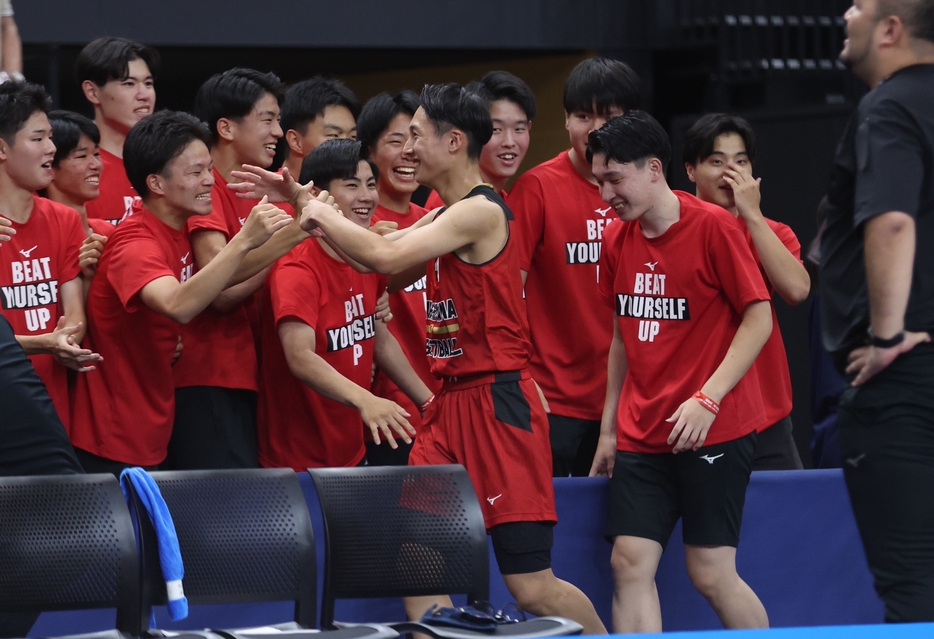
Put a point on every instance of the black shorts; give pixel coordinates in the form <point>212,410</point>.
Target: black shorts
<point>523,546</point>
<point>214,428</point>
<point>776,448</point>
<point>706,488</point>
<point>573,444</point>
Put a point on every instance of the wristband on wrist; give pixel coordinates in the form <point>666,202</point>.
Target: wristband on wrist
<point>427,403</point>
<point>707,403</point>
<point>890,342</point>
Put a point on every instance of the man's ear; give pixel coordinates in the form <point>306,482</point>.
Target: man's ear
<point>456,140</point>
<point>656,168</point>
<point>226,129</point>
<point>690,171</point>
<point>155,182</point>
<point>315,190</point>
<point>295,142</point>
<point>91,92</point>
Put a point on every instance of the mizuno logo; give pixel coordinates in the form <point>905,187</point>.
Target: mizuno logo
<point>651,265</point>
<point>710,460</point>
<point>854,461</point>
<point>242,220</point>
<point>27,252</point>
<point>492,499</point>
<point>603,212</point>
<point>185,259</point>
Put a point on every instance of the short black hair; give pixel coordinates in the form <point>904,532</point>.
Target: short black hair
<point>233,94</point>
<point>307,100</point>
<point>18,101</point>
<point>108,58</point>
<point>379,111</point>
<point>67,129</point>
<point>631,138</point>
<point>502,85</point>
<point>700,138</point>
<point>333,160</point>
<point>155,141</point>
<point>449,106</point>
<point>917,15</point>
<point>602,83</point>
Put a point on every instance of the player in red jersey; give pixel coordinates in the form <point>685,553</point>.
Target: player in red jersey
<point>116,76</point>
<point>313,111</point>
<point>383,128</point>
<point>40,283</point>
<point>145,287</point>
<point>76,175</point>
<point>321,337</point>
<point>216,379</point>
<point>512,109</point>
<point>681,412</point>
<point>719,150</point>
<point>488,415</point>
<point>560,220</point>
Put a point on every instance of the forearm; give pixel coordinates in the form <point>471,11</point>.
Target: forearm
<point>12,47</point>
<point>195,294</point>
<point>321,377</point>
<point>392,361</point>
<point>34,344</point>
<point>358,244</point>
<point>406,278</point>
<point>751,336</point>
<point>232,296</point>
<point>785,272</point>
<point>262,257</point>
<point>889,241</point>
<point>617,368</point>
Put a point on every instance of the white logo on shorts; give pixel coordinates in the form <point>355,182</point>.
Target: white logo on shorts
<point>492,499</point>
<point>710,460</point>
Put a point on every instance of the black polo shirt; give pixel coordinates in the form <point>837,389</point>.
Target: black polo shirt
<point>885,162</point>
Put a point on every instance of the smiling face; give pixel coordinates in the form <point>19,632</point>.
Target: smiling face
<point>580,123</point>
<point>357,197</point>
<point>255,135</point>
<point>426,149</point>
<point>861,22</point>
<point>336,123</point>
<point>187,181</point>
<point>708,174</point>
<point>396,169</point>
<point>78,176</point>
<point>625,187</point>
<point>503,154</point>
<point>123,103</point>
<point>28,161</point>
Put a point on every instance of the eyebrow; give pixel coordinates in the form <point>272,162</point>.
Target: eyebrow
<point>396,134</point>
<point>271,113</point>
<point>520,121</point>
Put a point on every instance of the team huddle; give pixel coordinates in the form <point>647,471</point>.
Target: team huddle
<point>209,290</point>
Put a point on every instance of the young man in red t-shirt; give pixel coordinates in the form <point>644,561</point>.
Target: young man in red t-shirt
<point>382,129</point>
<point>560,220</point>
<point>117,78</point>
<point>488,415</point>
<point>145,287</point>
<point>216,378</point>
<point>41,290</point>
<point>681,412</point>
<point>321,337</point>
<point>719,150</point>
<point>313,111</point>
<point>512,109</point>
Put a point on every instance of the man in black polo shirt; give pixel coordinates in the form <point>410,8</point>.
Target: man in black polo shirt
<point>877,297</point>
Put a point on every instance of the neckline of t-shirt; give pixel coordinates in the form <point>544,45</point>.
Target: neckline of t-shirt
<point>673,231</point>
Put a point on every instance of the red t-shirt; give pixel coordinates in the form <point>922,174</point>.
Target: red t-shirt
<point>772,364</point>
<point>679,299</point>
<point>476,320</point>
<point>407,325</point>
<point>41,257</point>
<point>560,221</point>
<point>218,347</point>
<point>117,194</point>
<point>125,409</point>
<point>101,227</point>
<point>297,427</point>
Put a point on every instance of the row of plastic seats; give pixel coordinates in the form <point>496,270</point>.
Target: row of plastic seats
<point>72,542</point>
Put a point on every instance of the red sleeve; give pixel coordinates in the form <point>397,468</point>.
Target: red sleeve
<point>434,201</point>
<point>134,263</point>
<point>527,202</point>
<point>296,292</point>
<point>609,261</point>
<point>735,266</point>
<point>213,221</point>
<point>72,237</point>
<point>101,226</point>
<point>787,236</point>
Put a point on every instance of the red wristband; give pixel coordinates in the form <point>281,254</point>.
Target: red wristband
<point>427,403</point>
<point>707,403</point>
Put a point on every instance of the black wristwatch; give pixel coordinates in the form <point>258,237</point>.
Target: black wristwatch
<point>878,342</point>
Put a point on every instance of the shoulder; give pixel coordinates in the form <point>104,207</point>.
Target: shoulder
<point>542,174</point>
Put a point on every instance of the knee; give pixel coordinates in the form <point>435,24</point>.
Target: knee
<point>709,577</point>
<point>630,564</point>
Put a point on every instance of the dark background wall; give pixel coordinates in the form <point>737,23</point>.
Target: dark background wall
<point>772,61</point>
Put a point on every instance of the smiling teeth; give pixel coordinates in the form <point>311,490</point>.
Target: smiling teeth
<point>405,170</point>
<point>508,156</point>
<point>361,211</point>
<point>203,196</point>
